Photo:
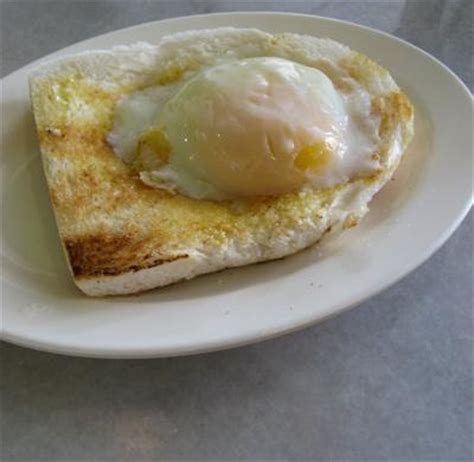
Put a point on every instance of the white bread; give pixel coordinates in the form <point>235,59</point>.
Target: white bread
<point>121,236</point>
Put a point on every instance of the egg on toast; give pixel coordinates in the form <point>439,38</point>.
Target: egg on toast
<point>211,149</point>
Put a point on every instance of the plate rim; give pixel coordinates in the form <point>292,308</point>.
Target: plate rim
<point>60,51</point>
<point>242,339</point>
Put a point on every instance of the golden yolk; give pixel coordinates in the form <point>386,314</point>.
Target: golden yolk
<point>313,157</point>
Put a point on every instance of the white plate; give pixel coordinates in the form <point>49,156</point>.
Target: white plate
<point>409,220</point>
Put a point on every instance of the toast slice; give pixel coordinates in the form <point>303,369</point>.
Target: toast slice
<point>121,236</point>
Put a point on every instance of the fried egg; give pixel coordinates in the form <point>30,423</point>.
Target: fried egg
<point>256,126</point>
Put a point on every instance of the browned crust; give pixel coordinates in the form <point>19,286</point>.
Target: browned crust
<point>94,256</point>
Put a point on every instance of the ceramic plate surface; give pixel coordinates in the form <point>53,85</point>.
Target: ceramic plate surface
<point>409,220</point>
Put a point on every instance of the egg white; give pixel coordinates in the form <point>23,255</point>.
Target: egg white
<point>180,104</point>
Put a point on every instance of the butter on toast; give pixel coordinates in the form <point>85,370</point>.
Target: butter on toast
<point>121,236</point>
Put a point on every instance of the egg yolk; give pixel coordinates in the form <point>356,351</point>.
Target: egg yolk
<point>153,150</point>
<point>259,126</point>
<point>313,157</point>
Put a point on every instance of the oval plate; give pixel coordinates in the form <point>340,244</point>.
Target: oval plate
<point>409,220</point>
